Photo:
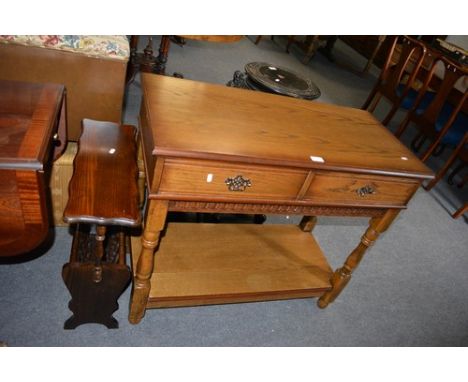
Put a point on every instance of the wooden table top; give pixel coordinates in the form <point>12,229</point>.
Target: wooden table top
<point>28,112</point>
<point>207,121</point>
<point>214,38</point>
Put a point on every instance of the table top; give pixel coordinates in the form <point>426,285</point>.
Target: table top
<point>103,188</point>
<point>28,113</point>
<point>214,38</point>
<point>199,120</point>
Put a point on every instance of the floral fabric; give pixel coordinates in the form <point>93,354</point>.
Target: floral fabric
<point>114,47</point>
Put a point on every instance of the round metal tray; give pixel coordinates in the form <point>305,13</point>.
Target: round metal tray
<point>280,80</point>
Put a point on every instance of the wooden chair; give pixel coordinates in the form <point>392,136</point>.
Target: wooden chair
<point>309,46</point>
<point>434,116</point>
<point>398,76</point>
<point>462,210</point>
<point>460,153</point>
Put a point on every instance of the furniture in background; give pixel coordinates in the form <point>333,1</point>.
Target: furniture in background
<point>32,134</point>
<point>461,154</point>
<point>434,116</point>
<point>103,204</point>
<point>146,61</point>
<point>260,37</point>
<point>375,46</point>
<point>397,79</point>
<point>92,68</point>
<point>218,149</point>
<point>149,63</point>
<point>434,51</point>
<point>270,78</point>
<point>309,46</point>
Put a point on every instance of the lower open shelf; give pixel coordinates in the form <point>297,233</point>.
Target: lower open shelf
<point>201,264</point>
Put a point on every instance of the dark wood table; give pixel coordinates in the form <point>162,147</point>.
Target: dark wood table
<point>30,117</point>
<point>149,63</point>
<point>217,149</point>
<point>270,78</point>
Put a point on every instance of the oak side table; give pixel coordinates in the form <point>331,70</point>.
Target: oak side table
<point>211,148</point>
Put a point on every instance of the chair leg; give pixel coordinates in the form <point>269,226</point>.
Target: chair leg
<point>390,115</point>
<point>455,172</point>
<point>460,211</point>
<point>257,40</point>
<point>439,149</point>
<point>404,124</point>
<point>431,149</point>
<point>417,142</point>
<point>443,171</point>
<point>374,53</point>
<point>311,50</point>
<point>448,164</point>
<point>372,101</point>
<point>463,182</point>
<point>291,40</point>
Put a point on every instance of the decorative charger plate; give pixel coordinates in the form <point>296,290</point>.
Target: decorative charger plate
<point>281,80</point>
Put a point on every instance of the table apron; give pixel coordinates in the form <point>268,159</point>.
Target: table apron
<point>281,209</point>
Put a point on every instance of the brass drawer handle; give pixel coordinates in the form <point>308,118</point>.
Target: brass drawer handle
<point>366,190</point>
<point>238,183</point>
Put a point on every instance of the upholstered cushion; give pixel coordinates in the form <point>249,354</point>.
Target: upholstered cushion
<point>408,101</point>
<point>459,126</point>
<point>113,47</point>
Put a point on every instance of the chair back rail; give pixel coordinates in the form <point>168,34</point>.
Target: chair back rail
<point>401,68</point>
<point>426,118</point>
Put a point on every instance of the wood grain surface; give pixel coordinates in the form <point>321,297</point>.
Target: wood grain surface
<point>29,118</point>
<point>196,119</point>
<point>95,86</point>
<point>103,188</point>
<point>199,264</point>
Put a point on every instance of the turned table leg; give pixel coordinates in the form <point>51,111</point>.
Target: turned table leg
<point>342,275</point>
<point>133,65</point>
<point>311,50</point>
<point>157,212</point>
<point>161,61</point>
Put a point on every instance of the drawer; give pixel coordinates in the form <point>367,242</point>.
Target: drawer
<point>198,178</point>
<point>357,190</point>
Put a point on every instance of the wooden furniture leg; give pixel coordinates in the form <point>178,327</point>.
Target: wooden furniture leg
<point>133,66</point>
<point>291,40</point>
<point>342,275</point>
<point>156,218</point>
<point>311,50</point>
<point>463,209</point>
<point>96,277</point>
<point>448,164</point>
<point>366,69</point>
<point>144,62</point>
<point>160,67</point>
<point>308,223</point>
